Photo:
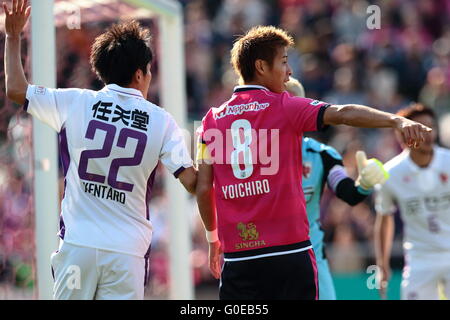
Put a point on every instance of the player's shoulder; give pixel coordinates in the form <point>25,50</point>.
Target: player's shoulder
<point>442,152</point>
<point>295,100</point>
<point>215,113</point>
<point>288,99</point>
<point>64,92</point>
<point>156,111</point>
<point>319,147</point>
<point>442,156</point>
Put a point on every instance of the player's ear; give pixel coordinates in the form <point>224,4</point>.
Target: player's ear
<point>138,76</point>
<point>260,66</point>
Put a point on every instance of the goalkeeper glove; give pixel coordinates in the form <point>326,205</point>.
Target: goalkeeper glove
<point>371,172</point>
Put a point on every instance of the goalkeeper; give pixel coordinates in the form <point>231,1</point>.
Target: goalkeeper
<point>323,164</point>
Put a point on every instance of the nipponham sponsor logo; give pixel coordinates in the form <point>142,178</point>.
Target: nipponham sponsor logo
<point>241,108</point>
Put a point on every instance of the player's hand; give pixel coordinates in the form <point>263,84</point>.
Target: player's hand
<point>371,172</point>
<point>16,19</point>
<point>215,251</point>
<point>383,277</point>
<point>413,133</point>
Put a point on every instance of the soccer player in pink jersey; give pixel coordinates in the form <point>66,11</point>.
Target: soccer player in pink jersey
<point>248,191</point>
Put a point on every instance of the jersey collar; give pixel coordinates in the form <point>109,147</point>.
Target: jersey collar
<point>124,91</point>
<point>434,164</point>
<point>249,87</point>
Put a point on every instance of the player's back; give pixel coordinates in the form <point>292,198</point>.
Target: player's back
<point>110,144</point>
<point>255,142</point>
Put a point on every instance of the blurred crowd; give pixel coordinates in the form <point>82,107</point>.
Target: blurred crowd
<point>340,58</point>
<point>337,58</point>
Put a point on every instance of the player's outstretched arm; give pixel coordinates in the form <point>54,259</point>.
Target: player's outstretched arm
<point>206,206</point>
<point>15,20</point>
<point>365,117</point>
<point>383,237</point>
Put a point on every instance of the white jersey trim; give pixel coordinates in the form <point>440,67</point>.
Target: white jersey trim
<point>268,254</point>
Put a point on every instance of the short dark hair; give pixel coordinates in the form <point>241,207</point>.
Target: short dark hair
<point>416,109</point>
<point>260,42</point>
<point>122,49</point>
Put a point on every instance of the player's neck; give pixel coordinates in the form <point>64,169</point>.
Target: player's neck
<point>254,83</point>
<point>137,87</point>
<point>421,158</point>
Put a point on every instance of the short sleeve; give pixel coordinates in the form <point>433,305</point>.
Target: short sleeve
<point>174,153</point>
<point>50,106</point>
<point>304,114</point>
<point>384,200</point>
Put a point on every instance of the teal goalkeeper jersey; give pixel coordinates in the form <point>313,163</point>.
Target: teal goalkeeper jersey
<point>318,161</point>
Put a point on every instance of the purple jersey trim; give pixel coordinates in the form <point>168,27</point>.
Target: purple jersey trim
<point>25,105</point>
<point>150,182</point>
<point>147,266</point>
<point>65,160</point>
<point>148,194</point>
<point>178,172</point>
<point>64,151</point>
<point>62,227</point>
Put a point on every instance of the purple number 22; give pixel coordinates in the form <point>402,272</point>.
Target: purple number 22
<point>105,151</point>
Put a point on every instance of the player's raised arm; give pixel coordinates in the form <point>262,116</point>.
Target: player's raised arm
<point>413,133</point>
<point>15,20</point>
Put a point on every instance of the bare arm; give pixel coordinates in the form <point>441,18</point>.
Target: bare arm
<point>365,117</point>
<point>15,20</point>
<point>207,208</point>
<point>383,237</point>
<point>188,179</point>
<point>205,196</point>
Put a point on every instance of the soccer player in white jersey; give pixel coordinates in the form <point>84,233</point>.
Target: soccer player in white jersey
<point>110,142</point>
<point>419,187</point>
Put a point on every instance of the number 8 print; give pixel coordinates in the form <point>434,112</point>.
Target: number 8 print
<point>240,147</point>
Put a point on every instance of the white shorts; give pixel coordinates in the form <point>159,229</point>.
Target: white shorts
<point>82,273</point>
<point>423,275</point>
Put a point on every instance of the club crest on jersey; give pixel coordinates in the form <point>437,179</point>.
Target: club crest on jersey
<point>307,169</point>
<point>39,90</point>
<point>315,102</point>
<point>444,177</point>
<point>249,235</point>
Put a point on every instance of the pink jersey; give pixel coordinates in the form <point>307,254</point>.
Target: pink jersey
<point>254,140</point>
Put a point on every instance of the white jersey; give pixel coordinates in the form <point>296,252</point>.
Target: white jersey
<point>110,143</point>
<point>423,197</point>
